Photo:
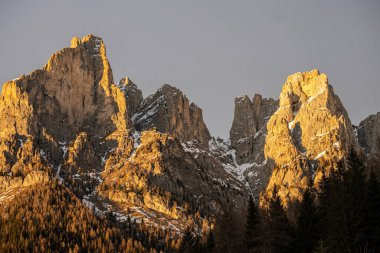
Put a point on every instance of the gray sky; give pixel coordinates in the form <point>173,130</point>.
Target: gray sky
<point>212,50</point>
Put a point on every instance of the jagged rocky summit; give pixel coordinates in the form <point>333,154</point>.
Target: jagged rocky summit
<point>169,111</point>
<point>306,130</point>
<point>310,131</point>
<point>71,100</point>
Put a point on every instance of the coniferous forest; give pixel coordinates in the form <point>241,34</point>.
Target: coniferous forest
<point>342,215</point>
<point>52,219</point>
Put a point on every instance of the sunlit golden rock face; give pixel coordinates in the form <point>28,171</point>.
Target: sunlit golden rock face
<point>309,128</point>
<point>44,111</point>
<point>74,90</point>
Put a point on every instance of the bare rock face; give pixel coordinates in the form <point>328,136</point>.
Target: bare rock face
<point>73,91</point>
<point>249,126</point>
<point>263,109</point>
<point>169,111</point>
<point>133,95</point>
<point>244,124</point>
<point>369,134</point>
<point>44,111</point>
<point>309,129</point>
<point>247,136</point>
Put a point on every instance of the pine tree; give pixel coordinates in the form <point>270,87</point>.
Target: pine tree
<point>342,208</point>
<point>322,209</point>
<point>210,243</point>
<point>373,213</point>
<point>355,203</point>
<point>281,232</point>
<point>252,224</point>
<point>305,235</point>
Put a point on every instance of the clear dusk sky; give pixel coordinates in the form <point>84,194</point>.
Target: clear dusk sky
<point>212,50</point>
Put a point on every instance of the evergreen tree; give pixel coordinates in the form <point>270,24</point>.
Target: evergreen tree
<point>227,232</point>
<point>252,224</point>
<point>210,243</point>
<point>305,235</point>
<point>354,203</point>
<point>342,208</point>
<point>373,213</point>
<point>281,232</point>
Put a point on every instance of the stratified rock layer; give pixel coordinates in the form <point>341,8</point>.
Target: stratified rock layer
<point>169,111</point>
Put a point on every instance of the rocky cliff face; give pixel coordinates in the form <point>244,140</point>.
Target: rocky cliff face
<point>133,95</point>
<point>169,111</point>
<point>287,142</point>
<point>44,112</point>
<point>249,125</point>
<point>369,134</point>
<point>247,136</point>
<point>310,128</point>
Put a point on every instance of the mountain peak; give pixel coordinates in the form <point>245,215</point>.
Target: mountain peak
<point>72,96</point>
<point>89,39</point>
<point>125,81</point>
<point>310,129</point>
<point>133,95</point>
<point>169,111</point>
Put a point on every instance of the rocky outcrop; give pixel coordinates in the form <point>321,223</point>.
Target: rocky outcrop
<point>263,108</point>
<point>44,111</point>
<point>247,135</point>
<point>249,126</point>
<point>310,130</point>
<point>286,143</point>
<point>133,95</point>
<point>73,91</point>
<point>169,111</point>
<point>243,125</point>
<point>369,134</point>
